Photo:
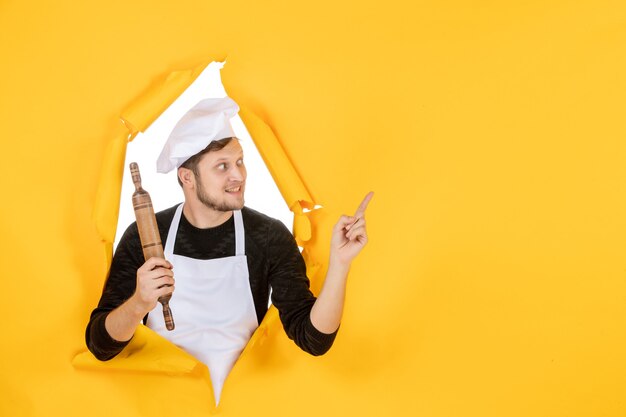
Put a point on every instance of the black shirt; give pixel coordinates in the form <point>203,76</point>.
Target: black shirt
<point>274,261</point>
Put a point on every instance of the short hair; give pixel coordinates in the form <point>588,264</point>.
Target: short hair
<point>192,163</point>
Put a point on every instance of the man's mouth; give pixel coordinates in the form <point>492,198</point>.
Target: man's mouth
<point>234,189</point>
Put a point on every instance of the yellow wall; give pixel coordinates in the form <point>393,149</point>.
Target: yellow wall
<point>492,133</point>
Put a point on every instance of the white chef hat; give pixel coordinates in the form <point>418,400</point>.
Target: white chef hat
<point>207,121</point>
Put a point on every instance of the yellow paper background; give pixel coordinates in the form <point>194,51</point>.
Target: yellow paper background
<point>492,133</point>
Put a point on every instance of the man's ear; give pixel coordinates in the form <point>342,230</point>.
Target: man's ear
<point>186,177</point>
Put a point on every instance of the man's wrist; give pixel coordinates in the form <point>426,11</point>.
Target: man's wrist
<point>121,323</point>
<point>339,267</point>
<point>136,307</point>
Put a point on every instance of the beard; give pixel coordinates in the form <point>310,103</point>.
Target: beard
<point>213,203</point>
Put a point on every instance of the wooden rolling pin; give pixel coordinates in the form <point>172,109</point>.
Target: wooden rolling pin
<point>149,234</point>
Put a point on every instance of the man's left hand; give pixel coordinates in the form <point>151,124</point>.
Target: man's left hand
<point>349,235</point>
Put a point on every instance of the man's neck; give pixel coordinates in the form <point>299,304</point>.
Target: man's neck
<point>203,217</point>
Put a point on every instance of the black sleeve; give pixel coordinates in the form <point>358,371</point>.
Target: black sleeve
<point>291,294</point>
<point>120,285</point>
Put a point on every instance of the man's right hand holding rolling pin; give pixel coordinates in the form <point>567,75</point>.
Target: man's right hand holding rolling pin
<point>155,279</point>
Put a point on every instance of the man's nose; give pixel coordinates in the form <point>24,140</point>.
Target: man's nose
<point>237,173</point>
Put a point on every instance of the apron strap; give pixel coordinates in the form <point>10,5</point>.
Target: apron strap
<point>171,235</point>
<point>240,240</point>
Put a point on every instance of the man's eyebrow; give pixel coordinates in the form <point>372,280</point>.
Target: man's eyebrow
<point>226,158</point>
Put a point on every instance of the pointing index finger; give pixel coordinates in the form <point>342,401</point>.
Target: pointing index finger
<point>361,210</point>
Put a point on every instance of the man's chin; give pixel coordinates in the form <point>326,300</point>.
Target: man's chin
<point>226,203</point>
<point>230,206</point>
<point>237,206</point>
<point>239,203</point>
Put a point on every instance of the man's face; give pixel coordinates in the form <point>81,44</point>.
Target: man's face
<point>222,178</point>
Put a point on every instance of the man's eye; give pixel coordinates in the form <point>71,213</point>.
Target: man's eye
<point>221,166</point>
<point>240,162</point>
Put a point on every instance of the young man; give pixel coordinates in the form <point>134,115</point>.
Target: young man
<point>225,258</point>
